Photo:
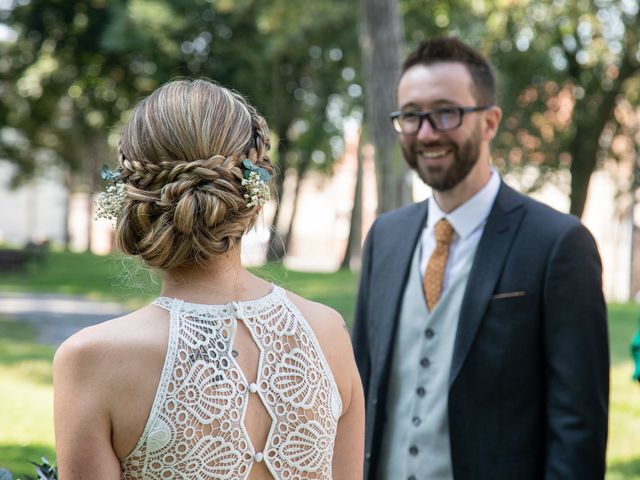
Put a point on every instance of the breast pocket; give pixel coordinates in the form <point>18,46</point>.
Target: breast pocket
<point>512,316</point>
<point>512,303</point>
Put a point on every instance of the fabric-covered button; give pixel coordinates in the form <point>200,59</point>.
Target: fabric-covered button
<point>258,457</point>
<point>253,388</point>
<point>238,310</point>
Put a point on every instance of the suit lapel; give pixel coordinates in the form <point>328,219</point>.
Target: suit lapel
<point>396,265</point>
<point>499,233</point>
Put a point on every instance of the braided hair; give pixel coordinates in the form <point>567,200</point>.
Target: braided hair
<point>180,160</point>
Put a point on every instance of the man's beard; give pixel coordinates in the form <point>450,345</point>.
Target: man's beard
<point>465,156</point>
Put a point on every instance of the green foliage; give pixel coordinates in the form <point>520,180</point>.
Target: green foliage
<point>76,68</point>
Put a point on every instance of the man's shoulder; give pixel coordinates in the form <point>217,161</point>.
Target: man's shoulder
<point>400,217</point>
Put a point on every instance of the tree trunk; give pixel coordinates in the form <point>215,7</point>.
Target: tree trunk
<point>303,167</point>
<point>382,46</point>
<point>585,144</point>
<point>92,167</point>
<point>276,250</point>
<point>68,183</point>
<point>353,249</point>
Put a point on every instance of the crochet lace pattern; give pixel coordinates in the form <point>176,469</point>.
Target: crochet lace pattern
<point>196,426</point>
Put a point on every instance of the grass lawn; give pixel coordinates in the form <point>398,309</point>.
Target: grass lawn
<point>26,426</point>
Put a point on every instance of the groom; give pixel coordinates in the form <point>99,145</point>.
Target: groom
<point>480,330</point>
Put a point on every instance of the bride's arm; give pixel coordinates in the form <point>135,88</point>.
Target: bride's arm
<point>348,454</point>
<point>81,377</point>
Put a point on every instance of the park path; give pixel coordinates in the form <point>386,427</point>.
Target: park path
<point>55,317</point>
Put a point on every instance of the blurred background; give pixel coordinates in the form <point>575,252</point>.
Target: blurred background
<point>323,74</point>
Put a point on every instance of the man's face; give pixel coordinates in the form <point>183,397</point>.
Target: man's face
<point>441,159</point>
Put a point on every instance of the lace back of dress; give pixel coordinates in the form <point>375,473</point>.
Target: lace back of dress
<point>196,429</point>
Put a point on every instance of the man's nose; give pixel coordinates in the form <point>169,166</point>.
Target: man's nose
<point>426,132</point>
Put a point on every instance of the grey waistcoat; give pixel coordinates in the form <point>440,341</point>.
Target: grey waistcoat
<point>415,444</point>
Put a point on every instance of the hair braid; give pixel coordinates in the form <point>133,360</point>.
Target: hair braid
<point>180,161</point>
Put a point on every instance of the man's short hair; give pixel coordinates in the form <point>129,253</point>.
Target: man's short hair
<point>450,49</point>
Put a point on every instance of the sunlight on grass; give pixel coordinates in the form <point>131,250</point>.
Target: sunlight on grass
<point>26,402</point>
<point>623,452</point>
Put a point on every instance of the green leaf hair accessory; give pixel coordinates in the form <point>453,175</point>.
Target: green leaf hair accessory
<point>109,203</point>
<point>255,183</point>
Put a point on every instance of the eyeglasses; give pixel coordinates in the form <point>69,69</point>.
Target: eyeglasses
<point>440,119</point>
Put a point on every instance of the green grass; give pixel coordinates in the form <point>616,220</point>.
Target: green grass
<point>122,279</point>
<point>624,419</point>
<point>99,277</point>
<point>26,416</point>
<point>26,426</point>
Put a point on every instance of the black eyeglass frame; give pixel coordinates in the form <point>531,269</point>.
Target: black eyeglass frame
<point>395,116</point>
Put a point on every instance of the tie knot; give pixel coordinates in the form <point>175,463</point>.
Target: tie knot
<point>444,232</point>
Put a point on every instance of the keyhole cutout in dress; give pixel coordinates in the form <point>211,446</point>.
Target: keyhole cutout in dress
<point>257,420</point>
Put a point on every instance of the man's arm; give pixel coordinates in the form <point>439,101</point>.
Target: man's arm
<point>360,335</point>
<point>577,359</point>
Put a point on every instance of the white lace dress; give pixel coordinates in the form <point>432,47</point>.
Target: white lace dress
<point>196,426</point>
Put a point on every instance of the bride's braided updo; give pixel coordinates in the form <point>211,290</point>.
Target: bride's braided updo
<point>180,159</point>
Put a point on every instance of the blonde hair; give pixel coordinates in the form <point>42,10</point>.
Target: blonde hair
<point>180,160</point>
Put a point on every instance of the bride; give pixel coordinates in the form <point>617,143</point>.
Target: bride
<point>225,376</point>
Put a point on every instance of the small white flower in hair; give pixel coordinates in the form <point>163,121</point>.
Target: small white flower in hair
<point>109,203</point>
<point>255,183</point>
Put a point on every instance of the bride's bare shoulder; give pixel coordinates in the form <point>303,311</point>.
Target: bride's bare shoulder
<point>114,345</point>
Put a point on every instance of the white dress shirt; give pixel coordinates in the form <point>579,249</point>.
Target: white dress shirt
<point>468,221</point>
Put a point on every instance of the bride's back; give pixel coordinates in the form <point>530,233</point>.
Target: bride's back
<point>245,388</point>
<point>224,376</point>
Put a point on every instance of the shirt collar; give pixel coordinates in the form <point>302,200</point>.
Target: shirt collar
<point>472,213</point>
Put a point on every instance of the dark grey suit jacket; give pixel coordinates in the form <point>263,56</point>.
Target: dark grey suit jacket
<point>529,380</point>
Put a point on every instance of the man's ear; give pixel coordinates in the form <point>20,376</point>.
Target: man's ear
<point>492,119</point>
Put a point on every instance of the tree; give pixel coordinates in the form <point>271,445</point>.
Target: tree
<point>382,46</point>
<point>76,69</point>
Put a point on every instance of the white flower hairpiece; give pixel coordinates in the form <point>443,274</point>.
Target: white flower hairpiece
<point>255,183</point>
<point>109,203</point>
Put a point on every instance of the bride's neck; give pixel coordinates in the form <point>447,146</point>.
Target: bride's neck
<point>221,280</point>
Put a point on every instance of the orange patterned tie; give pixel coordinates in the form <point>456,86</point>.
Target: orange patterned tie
<point>434,274</point>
